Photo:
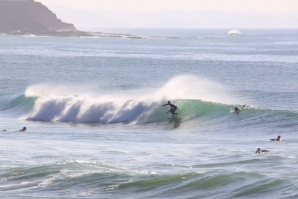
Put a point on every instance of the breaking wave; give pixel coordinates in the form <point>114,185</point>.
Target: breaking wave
<point>206,101</point>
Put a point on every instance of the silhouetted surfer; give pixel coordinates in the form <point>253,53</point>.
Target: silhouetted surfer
<point>173,108</point>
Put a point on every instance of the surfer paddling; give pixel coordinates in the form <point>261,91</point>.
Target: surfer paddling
<point>23,129</point>
<point>278,139</point>
<point>261,151</point>
<point>173,108</point>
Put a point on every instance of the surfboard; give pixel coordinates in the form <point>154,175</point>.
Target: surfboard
<point>275,140</point>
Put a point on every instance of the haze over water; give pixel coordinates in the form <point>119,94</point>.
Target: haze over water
<point>96,127</point>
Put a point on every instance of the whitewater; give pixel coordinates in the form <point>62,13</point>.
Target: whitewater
<point>96,127</point>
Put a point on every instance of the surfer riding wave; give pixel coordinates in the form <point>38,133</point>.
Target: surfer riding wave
<point>173,108</point>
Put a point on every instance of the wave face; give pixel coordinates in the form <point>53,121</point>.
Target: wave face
<point>16,105</point>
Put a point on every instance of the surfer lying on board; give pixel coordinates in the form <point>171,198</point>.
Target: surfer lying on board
<point>173,108</point>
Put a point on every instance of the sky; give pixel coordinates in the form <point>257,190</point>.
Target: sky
<point>177,13</point>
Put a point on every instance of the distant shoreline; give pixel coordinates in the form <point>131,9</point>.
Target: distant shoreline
<point>74,34</point>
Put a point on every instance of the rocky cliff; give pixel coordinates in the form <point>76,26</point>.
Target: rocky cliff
<point>30,17</point>
<point>27,17</point>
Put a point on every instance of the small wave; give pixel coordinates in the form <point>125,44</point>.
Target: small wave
<point>34,36</point>
<point>95,178</point>
<point>234,32</point>
<point>114,35</point>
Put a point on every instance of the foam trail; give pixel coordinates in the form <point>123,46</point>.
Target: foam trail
<point>60,103</point>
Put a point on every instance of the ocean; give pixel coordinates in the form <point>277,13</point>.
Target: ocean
<point>96,127</point>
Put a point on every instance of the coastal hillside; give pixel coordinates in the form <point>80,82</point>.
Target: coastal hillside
<point>19,17</point>
<point>28,17</point>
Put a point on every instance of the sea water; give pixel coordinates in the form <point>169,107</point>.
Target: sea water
<point>96,127</point>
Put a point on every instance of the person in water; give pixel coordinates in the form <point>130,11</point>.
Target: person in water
<point>261,151</point>
<point>23,129</point>
<point>238,109</point>
<point>173,108</point>
<point>278,139</point>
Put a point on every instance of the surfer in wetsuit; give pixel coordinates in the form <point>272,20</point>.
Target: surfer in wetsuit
<point>173,108</point>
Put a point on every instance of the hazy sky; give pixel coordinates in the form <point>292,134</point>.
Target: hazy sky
<point>267,6</point>
<point>177,13</point>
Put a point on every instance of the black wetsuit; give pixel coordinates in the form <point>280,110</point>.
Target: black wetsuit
<point>173,108</point>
